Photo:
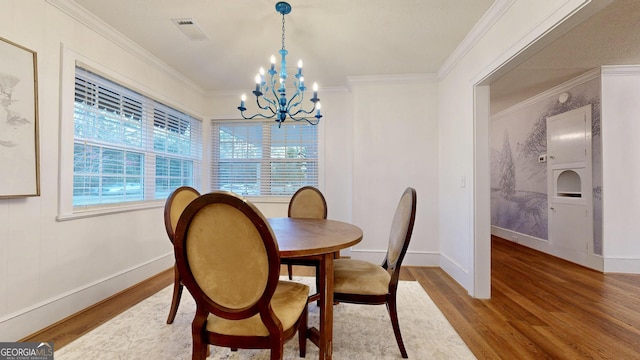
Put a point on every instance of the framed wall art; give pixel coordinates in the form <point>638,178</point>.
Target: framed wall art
<point>19,164</point>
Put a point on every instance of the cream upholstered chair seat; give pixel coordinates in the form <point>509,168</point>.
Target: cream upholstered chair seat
<point>360,277</point>
<point>287,303</point>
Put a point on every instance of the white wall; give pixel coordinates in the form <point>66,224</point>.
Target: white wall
<point>51,269</point>
<point>375,141</point>
<point>395,140</point>
<point>621,168</point>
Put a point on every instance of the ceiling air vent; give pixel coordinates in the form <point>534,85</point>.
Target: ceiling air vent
<point>191,29</point>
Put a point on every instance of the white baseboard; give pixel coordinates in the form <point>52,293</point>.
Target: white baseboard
<point>420,258</point>
<point>457,272</point>
<point>621,265</point>
<point>520,238</point>
<point>31,319</point>
<point>611,264</point>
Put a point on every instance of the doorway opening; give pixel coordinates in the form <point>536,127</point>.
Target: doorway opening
<point>485,105</point>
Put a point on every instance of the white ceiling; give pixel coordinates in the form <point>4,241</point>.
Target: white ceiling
<point>342,38</point>
<point>335,38</point>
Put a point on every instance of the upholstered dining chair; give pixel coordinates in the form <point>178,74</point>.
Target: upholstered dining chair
<point>228,257</point>
<point>308,202</point>
<point>173,207</point>
<point>361,282</point>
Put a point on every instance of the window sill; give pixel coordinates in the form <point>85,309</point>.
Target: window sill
<point>108,210</point>
<point>115,209</point>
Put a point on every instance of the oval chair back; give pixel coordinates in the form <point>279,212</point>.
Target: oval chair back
<point>175,205</point>
<point>173,208</point>
<point>228,257</point>
<point>308,202</point>
<point>401,231</point>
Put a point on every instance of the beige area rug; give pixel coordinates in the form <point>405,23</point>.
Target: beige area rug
<point>360,332</point>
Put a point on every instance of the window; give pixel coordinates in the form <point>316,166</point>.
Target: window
<point>258,158</point>
<point>128,147</point>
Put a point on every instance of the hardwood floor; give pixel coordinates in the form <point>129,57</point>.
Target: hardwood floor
<point>66,330</point>
<point>541,308</point>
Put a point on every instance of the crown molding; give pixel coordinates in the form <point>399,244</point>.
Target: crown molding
<point>620,70</point>
<point>495,12</point>
<point>226,93</point>
<point>94,23</point>
<point>554,91</point>
<point>387,79</point>
<point>390,79</point>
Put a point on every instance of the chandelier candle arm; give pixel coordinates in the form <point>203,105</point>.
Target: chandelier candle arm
<point>276,105</point>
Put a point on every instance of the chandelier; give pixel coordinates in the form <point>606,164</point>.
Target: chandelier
<point>271,95</point>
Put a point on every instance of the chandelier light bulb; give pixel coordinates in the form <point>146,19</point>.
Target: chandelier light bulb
<point>258,83</point>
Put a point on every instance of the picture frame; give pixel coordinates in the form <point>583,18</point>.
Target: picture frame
<point>19,147</point>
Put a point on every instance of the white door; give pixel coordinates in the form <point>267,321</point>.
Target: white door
<point>570,189</point>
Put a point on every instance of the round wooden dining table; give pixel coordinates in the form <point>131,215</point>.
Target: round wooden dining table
<point>317,239</point>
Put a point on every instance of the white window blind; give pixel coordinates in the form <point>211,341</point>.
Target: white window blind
<point>257,158</point>
<point>128,147</point>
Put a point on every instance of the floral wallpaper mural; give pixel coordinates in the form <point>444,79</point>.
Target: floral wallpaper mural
<point>518,180</point>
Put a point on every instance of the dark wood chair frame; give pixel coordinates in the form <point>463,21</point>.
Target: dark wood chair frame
<point>177,281</point>
<point>205,305</point>
<point>389,299</point>
<point>303,261</point>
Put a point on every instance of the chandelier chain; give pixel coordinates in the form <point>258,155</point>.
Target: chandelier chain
<point>283,31</point>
